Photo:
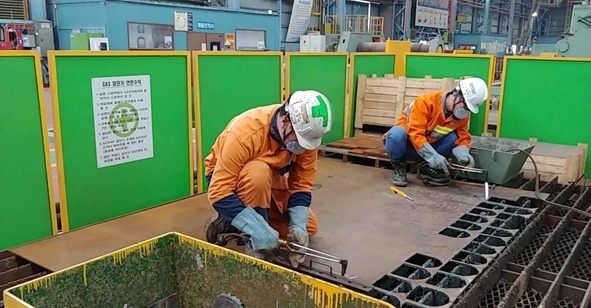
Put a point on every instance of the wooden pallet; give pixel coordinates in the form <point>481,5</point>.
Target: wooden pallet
<point>381,100</point>
<point>553,160</point>
<point>368,147</point>
<point>566,162</point>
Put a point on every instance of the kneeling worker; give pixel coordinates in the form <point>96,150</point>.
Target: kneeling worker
<point>433,127</point>
<point>261,173</point>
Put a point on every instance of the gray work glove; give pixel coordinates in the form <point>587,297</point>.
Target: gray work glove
<point>298,221</point>
<point>463,156</point>
<point>434,159</point>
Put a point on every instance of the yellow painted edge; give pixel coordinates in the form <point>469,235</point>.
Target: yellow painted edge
<point>190,123</point>
<point>347,108</point>
<point>51,57</point>
<point>18,53</point>
<point>348,111</point>
<point>548,59</point>
<point>297,53</point>
<point>213,249</point>
<point>281,80</point>
<point>502,93</point>
<point>88,53</point>
<point>46,151</point>
<point>451,55</point>
<point>236,53</point>
<point>287,73</point>
<point>369,53</point>
<point>197,102</point>
<point>11,301</point>
<point>491,78</point>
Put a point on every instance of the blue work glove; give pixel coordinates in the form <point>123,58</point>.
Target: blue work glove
<point>434,159</point>
<point>463,155</point>
<point>298,222</point>
<point>262,236</point>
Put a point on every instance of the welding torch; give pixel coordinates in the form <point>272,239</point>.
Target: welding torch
<point>314,253</point>
<point>223,239</point>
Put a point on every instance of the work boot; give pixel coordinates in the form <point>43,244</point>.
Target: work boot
<point>434,176</point>
<point>217,225</point>
<point>399,177</point>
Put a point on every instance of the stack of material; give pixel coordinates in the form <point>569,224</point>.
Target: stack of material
<point>554,160</point>
<point>381,100</point>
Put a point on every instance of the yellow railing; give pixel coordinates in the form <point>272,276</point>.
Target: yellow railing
<point>355,23</point>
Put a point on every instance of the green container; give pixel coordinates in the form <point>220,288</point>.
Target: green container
<point>495,156</point>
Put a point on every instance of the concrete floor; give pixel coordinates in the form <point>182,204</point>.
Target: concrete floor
<point>360,220</point>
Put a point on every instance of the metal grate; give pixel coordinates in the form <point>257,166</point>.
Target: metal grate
<point>558,256</point>
<point>530,299</point>
<point>570,202</point>
<point>12,9</point>
<point>547,229</point>
<point>565,303</point>
<point>495,295</point>
<point>582,269</point>
<point>530,251</point>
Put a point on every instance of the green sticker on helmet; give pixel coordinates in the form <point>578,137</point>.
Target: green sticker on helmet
<point>321,111</point>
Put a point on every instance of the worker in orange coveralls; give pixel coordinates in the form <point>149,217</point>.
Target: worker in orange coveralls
<point>261,172</point>
<point>433,127</point>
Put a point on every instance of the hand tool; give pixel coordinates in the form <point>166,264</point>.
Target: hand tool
<point>290,246</point>
<point>473,170</point>
<point>400,193</point>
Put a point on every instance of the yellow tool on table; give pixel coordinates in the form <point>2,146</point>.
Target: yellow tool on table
<point>400,193</point>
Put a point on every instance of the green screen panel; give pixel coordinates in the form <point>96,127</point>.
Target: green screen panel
<point>446,66</point>
<point>26,214</point>
<point>230,84</point>
<point>367,64</point>
<point>326,74</point>
<point>555,110</point>
<point>96,194</point>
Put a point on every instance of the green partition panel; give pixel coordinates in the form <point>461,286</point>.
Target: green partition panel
<point>28,211</point>
<point>438,65</point>
<point>227,84</point>
<point>323,72</point>
<point>123,132</point>
<point>555,110</point>
<point>367,63</point>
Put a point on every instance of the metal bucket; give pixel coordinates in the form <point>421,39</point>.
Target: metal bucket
<point>495,156</point>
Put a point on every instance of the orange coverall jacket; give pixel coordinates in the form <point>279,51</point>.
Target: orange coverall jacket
<point>247,138</point>
<point>424,121</point>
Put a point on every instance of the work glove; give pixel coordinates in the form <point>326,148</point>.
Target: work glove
<point>262,236</point>
<point>298,221</point>
<point>434,159</point>
<point>463,156</point>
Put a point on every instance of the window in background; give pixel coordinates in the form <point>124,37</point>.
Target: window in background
<point>150,36</point>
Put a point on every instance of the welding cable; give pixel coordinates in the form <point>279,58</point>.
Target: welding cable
<point>537,188</point>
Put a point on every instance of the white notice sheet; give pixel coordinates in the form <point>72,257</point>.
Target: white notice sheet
<point>122,119</point>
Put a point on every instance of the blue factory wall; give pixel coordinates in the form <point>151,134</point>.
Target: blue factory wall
<point>112,17</point>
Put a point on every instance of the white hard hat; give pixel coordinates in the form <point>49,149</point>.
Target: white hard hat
<point>475,92</point>
<point>311,117</point>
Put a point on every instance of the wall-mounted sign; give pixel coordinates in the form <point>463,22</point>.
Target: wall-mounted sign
<point>181,21</point>
<point>432,13</point>
<point>204,25</point>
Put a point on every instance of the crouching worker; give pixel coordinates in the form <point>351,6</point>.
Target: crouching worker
<point>434,127</point>
<point>261,173</point>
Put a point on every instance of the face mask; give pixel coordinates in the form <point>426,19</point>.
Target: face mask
<point>461,113</point>
<point>294,147</point>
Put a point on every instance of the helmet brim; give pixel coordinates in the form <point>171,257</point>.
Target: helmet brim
<point>308,144</point>
<point>472,108</point>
